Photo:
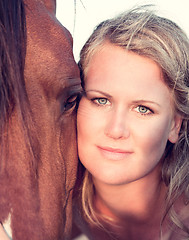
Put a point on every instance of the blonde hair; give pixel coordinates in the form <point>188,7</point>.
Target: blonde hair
<point>142,31</point>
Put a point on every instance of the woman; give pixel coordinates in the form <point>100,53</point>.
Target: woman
<point>133,130</point>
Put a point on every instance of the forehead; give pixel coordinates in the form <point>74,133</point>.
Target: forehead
<point>111,61</point>
<point>120,72</point>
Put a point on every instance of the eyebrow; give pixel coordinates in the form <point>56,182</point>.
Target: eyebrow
<point>100,92</point>
<point>141,101</point>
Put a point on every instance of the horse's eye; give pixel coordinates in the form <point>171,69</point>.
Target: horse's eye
<point>70,103</point>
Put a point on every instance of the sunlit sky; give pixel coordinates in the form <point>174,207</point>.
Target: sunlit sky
<point>91,12</point>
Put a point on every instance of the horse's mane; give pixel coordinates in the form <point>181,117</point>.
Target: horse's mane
<point>18,159</point>
<point>12,47</point>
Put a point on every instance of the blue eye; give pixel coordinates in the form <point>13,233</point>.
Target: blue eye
<point>102,101</point>
<point>144,110</point>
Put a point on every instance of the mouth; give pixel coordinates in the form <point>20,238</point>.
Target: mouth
<point>114,153</point>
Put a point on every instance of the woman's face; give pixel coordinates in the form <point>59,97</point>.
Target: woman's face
<point>126,117</point>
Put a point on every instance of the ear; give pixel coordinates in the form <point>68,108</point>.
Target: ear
<point>175,128</point>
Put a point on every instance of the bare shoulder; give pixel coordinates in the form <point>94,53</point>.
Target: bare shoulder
<point>184,213</point>
<point>180,231</point>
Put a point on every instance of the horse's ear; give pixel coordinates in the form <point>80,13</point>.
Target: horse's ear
<point>50,5</point>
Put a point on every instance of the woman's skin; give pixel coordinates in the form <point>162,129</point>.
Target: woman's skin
<point>125,120</point>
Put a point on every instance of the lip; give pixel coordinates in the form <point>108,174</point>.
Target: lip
<point>114,153</point>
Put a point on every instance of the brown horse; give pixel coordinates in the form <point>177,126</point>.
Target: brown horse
<point>39,83</point>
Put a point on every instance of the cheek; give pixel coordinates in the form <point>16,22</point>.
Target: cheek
<point>154,136</point>
<point>90,120</point>
<point>85,124</point>
<point>84,134</point>
<point>89,131</point>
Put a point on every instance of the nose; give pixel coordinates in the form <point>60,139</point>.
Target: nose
<point>117,126</point>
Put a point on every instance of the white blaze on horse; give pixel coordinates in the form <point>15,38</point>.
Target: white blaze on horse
<point>39,83</point>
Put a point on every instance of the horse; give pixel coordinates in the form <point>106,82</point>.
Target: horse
<point>39,86</point>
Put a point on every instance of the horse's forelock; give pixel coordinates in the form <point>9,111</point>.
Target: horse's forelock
<point>12,47</point>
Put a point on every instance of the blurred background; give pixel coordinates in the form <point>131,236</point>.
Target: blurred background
<point>81,16</point>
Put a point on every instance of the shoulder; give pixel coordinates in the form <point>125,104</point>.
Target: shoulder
<point>182,209</point>
<point>80,225</point>
<point>182,220</point>
<point>177,223</point>
<point>184,214</point>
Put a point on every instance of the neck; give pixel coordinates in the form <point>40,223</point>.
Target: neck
<point>137,201</point>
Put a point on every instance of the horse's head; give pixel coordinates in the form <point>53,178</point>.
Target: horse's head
<point>44,150</point>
